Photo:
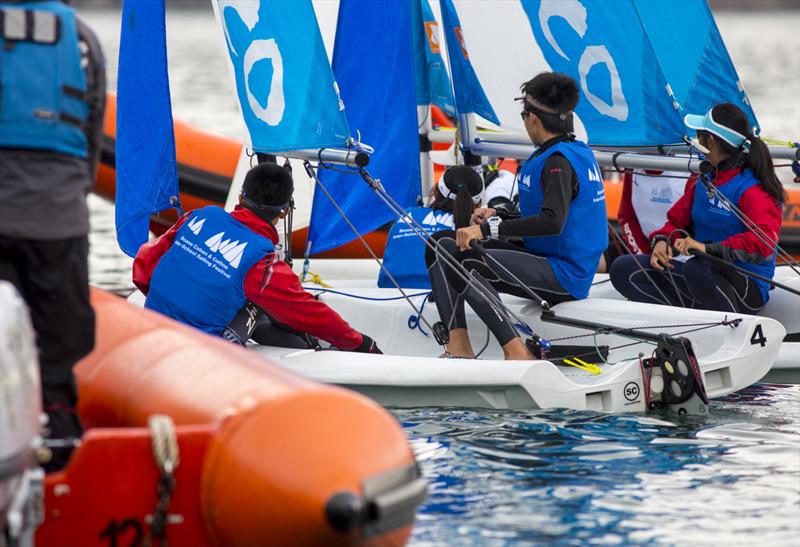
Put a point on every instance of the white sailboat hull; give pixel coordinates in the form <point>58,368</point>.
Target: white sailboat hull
<point>349,275</point>
<point>408,375</point>
<point>731,357</point>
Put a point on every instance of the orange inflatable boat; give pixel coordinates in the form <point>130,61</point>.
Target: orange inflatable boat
<point>206,165</point>
<point>263,457</point>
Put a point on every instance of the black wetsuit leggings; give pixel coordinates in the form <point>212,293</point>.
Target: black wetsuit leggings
<point>450,290</point>
<point>695,283</point>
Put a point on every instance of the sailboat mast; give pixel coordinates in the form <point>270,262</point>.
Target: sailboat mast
<point>425,164</point>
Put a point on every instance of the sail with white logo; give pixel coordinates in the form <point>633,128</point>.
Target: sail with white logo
<point>637,66</point>
<point>287,95</point>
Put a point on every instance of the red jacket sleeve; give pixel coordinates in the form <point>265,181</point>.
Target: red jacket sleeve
<point>628,222</point>
<point>679,216</point>
<point>761,208</point>
<point>274,287</point>
<point>150,253</point>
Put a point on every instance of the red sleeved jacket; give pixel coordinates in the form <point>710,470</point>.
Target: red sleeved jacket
<point>755,203</point>
<point>636,240</point>
<point>270,284</point>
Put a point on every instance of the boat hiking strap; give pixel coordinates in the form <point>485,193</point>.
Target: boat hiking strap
<point>495,302</point>
<point>167,458</point>
<point>312,173</point>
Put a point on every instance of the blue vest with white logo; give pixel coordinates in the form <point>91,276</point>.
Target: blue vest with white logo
<point>200,279</point>
<point>42,86</point>
<point>714,222</point>
<point>404,255</point>
<point>574,254</point>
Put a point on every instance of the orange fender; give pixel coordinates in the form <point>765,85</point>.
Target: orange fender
<point>278,446</point>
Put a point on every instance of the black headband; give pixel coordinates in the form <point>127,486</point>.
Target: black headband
<point>263,206</point>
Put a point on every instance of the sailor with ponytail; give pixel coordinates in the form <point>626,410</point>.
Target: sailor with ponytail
<point>562,226</point>
<point>735,216</point>
<point>452,202</point>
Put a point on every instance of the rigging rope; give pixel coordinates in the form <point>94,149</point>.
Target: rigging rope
<point>313,174</point>
<point>497,305</point>
<point>733,323</point>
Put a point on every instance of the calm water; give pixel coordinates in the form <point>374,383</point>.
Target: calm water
<point>563,477</point>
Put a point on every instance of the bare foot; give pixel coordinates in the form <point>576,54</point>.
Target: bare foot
<point>459,344</point>
<point>515,350</point>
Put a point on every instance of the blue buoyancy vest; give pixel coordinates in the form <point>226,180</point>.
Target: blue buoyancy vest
<point>43,104</point>
<point>404,255</point>
<point>574,254</point>
<point>200,279</point>
<point>714,222</point>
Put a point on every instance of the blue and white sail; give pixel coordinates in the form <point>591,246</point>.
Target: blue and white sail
<point>606,49</point>
<point>147,178</point>
<point>376,79</point>
<point>286,90</point>
<point>469,94</point>
<point>637,66</point>
<point>432,80</point>
<point>692,55</point>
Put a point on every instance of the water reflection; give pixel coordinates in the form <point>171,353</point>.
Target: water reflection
<point>576,478</point>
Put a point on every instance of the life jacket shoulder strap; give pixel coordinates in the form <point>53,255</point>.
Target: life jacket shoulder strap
<point>25,25</point>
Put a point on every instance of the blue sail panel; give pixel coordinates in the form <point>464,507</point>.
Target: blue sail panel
<point>377,82</point>
<point>423,90</point>
<point>469,94</point>
<point>692,55</point>
<point>440,90</point>
<point>604,47</point>
<point>145,148</point>
<point>284,82</point>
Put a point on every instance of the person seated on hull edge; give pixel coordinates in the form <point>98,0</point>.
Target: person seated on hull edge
<point>562,224</point>
<point>211,265</point>
<point>454,199</point>
<point>744,174</point>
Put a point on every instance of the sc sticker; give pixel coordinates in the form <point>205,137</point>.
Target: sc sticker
<point>631,391</point>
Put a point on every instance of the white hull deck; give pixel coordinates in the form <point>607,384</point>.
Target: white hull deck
<point>409,374</point>
<point>355,276</point>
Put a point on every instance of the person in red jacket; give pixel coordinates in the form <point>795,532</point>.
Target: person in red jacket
<point>646,198</point>
<point>181,280</point>
<point>744,177</point>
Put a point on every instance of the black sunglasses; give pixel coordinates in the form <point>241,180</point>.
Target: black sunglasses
<point>525,114</point>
